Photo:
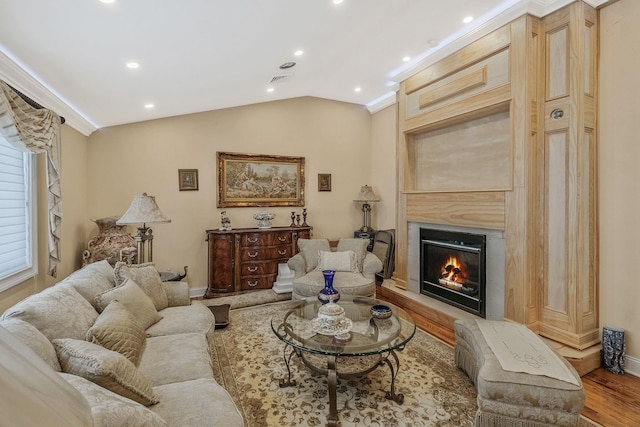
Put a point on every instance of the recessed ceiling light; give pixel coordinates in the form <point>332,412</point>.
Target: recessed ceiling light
<point>406,59</point>
<point>107,1</point>
<point>149,106</point>
<point>133,65</point>
<point>270,89</point>
<point>358,89</point>
<point>337,1</point>
<point>467,19</point>
<point>298,52</point>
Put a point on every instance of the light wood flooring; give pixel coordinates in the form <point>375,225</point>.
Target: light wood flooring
<point>611,400</point>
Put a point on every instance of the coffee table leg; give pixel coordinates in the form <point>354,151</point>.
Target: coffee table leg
<point>391,394</point>
<point>332,378</point>
<point>287,359</point>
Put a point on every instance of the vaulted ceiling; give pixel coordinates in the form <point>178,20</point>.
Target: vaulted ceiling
<point>199,55</point>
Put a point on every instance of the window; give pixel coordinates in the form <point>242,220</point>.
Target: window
<point>18,245</point>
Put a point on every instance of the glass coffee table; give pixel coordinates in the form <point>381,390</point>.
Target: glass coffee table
<point>370,343</point>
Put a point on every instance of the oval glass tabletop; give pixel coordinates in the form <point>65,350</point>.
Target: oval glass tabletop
<point>367,336</point>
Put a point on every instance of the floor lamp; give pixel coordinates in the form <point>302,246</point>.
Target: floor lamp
<point>144,210</point>
<point>366,195</point>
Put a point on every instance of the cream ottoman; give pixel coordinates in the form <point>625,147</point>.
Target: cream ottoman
<point>507,398</point>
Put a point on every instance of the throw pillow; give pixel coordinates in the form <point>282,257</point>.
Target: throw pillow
<point>134,299</point>
<point>338,261</point>
<point>310,248</point>
<point>110,409</point>
<point>26,333</point>
<point>147,277</point>
<point>106,368</point>
<point>92,279</point>
<point>357,245</point>
<point>117,329</point>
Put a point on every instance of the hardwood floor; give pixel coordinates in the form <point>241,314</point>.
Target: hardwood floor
<point>611,400</point>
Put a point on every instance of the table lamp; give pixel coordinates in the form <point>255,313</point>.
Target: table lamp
<point>143,210</point>
<point>366,196</point>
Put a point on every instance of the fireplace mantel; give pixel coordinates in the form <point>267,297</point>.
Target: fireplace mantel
<point>501,136</point>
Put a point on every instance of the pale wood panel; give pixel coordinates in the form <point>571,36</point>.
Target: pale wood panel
<point>557,63</point>
<point>472,80</point>
<point>469,54</point>
<point>473,209</point>
<point>475,155</point>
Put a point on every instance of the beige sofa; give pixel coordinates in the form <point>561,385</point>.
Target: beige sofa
<point>87,352</point>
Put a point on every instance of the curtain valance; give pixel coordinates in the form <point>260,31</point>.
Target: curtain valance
<point>36,130</point>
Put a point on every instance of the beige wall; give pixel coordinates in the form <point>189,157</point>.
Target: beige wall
<point>74,228</point>
<point>619,174</point>
<point>334,137</point>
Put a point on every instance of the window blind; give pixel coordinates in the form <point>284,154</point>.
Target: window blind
<point>15,217</point>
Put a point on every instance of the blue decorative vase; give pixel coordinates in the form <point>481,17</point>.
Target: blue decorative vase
<point>328,293</point>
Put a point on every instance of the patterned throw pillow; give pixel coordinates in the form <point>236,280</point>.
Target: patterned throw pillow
<point>106,368</point>
<point>310,248</point>
<point>338,261</point>
<point>357,245</point>
<point>117,329</point>
<point>136,301</point>
<point>147,277</point>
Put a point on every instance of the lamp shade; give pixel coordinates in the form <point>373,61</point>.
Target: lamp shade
<point>143,209</point>
<point>366,195</point>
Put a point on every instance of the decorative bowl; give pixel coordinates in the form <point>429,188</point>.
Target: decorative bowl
<point>381,311</point>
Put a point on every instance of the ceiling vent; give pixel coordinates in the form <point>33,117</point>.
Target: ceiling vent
<point>280,78</point>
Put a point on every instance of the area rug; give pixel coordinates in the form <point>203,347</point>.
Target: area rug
<point>250,364</point>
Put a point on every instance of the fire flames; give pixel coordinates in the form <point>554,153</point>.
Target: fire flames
<point>453,274</point>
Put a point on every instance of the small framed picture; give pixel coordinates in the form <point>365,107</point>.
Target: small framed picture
<point>188,179</point>
<point>324,182</point>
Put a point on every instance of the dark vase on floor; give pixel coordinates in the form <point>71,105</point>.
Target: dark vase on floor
<point>328,293</point>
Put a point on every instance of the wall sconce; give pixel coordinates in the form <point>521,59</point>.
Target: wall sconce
<point>366,196</point>
<point>144,210</point>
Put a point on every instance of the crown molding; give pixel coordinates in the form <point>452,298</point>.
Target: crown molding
<point>17,77</point>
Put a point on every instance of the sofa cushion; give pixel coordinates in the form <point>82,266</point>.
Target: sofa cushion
<point>147,277</point>
<point>310,250</point>
<point>183,319</point>
<point>134,299</point>
<point>33,338</point>
<point>177,293</point>
<point>175,358</point>
<point>106,368</point>
<point>354,284</point>
<point>58,312</point>
<point>112,410</point>
<point>92,279</point>
<point>117,329</point>
<point>337,261</point>
<point>357,245</point>
<point>33,394</point>
<point>201,402</point>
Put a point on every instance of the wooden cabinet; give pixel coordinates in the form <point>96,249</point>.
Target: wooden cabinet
<point>246,259</point>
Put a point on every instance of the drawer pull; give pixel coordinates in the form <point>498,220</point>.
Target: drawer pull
<point>252,269</point>
<point>282,253</point>
<point>253,284</point>
<point>254,240</point>
<point>556,114</point>
<point>282,239</point>
<point>253,255</point>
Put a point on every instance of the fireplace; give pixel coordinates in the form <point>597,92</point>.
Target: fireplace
<point>452,268</point>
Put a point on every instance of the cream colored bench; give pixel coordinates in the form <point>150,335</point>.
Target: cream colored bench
<point>507,398</point>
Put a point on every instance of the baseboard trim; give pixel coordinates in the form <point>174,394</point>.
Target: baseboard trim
<point>196,292</point>
<point>632,366</point>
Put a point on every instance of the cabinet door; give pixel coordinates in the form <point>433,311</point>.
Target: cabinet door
<point>221,250</point>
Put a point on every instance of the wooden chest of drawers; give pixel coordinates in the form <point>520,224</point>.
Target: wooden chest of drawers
<point>246,259</point>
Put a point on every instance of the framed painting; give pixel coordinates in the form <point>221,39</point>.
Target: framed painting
<point>324,182</point>
<point>188,179</point>
<point>248,180</point>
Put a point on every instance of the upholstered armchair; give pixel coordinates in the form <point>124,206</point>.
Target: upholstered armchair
<point>355,267</point>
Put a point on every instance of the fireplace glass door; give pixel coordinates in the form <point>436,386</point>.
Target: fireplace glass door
<point>452,268</point>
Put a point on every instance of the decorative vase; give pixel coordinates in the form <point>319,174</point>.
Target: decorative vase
<point>112,243</point>
<point>264,219</point>
<point>328,293</point>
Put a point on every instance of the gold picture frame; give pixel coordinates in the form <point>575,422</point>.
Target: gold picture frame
<point>324,182</point>
<point>188,179</point>
<point>254,180</point>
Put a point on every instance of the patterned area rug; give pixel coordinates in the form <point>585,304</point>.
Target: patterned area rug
<point>250,365</point>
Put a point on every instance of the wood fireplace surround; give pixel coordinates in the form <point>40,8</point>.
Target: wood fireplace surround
<point>501,135</point>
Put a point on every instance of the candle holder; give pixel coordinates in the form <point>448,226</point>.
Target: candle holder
<point>293,219</point>
<point>304,217</point>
